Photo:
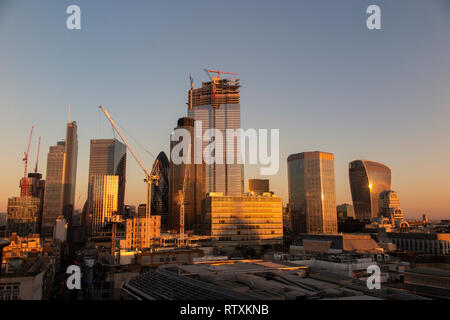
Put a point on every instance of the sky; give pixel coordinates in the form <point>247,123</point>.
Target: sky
<point>309,68</point>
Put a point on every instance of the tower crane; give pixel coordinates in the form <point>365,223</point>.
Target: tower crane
<point>25,159</point>
<point>37,156</point>
<point>181,203</point>
<point>214,80</point>
<point>150,177</point>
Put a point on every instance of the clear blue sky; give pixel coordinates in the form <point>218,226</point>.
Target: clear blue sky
<point>310,68</point>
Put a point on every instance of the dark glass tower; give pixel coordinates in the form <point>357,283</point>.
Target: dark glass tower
<point>312,194</point>
<point>368,180</point>
<point>160,191</point>
<point>70,172</point>
<point>108,157</point>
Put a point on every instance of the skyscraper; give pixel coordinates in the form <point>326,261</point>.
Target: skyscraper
<point>368,179</point>
<point>217,105</point>
<point>312,195</point>
<point>70,171</point>
<point>193,176</point>
<point>160,191</point>
<point>108,157</point>
<point>103,199</point>
<point>54,188</point>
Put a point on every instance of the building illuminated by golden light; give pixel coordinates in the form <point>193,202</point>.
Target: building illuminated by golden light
<point>139,231</point>
<point>312,194</point>
<point>243,220</point>
<point>103,200</point>
<point>22,247</point>
<point>368,180</point>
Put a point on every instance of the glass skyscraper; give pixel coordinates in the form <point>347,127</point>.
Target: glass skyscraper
<point>312,195</point>
<point>194,190</point>
<point>54,188</point>
<point>219,108</point>
<point>368,180</point>
<point>108,157</point>
<point>160,191</point>
<point>103,194</point>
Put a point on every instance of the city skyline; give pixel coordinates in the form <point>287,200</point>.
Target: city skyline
<point>311,105</point>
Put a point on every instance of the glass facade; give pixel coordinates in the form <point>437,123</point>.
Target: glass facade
<point>220,108</point>
<point>108,157</point>
<point>160,191</point>
<point>243,220</point>
<point>194,190</point>
<point>103,195</point>
<point>312,195</point>
<point>70,170</point>
<point>54,188</point>
<point>368,180</point>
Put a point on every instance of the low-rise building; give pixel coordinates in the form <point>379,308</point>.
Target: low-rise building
<point>243,220</point>
<point>23,215</point>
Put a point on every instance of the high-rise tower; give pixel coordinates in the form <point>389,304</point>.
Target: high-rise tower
<point>54,188</point>
<point>108,157</point>
<point>217,105</point>
<point>312,194</point>
<point>193,176</point>
<point>368,180</point>
<point>70,171</point>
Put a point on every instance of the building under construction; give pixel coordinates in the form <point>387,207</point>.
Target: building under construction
<point>217,105</point>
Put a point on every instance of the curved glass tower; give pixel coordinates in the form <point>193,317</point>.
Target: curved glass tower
<point>368,179</point>
<point>160,192</point>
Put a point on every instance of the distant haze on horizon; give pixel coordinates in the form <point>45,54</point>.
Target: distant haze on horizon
<point>309,68</point>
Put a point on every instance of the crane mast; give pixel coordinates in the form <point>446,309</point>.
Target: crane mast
<point>37,156</point>
<point>182,203</point>
<point>149,177</point>
<point>25,159</point>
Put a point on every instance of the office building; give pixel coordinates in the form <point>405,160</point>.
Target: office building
<point>35,188</point>
<point>70,170</point>
<point>103,195</point>
<point>108,157</point>
<point>243,221</point>
<point>189,177</point>
<point>312,195</point>
<point>368,179</point>
<point>160,190</point>
<point>54,188</point>
<point>139,231</point>
<point>217,106</point>
<point>23,215</point>
<point>258,186</point>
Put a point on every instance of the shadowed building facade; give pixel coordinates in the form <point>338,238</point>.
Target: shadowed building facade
<point>160,191</point>
<point>54,188</point>
<point>193,175</point>
<point>108,157</point>
<point>368,180</point>
<point>70,171</point>
<point>312,194</point>
<point>258,186</point>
